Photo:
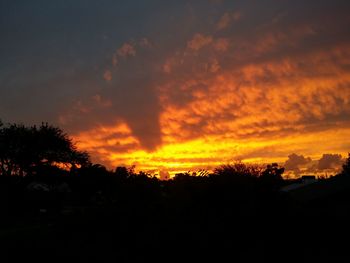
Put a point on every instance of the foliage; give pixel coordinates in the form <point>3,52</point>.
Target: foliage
<point>273,171</point>
<point>271,177</point>
<point>24,149</point>
<point>238,169</point>
<point>346,166</point>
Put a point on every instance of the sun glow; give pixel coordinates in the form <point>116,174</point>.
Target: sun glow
<point>254,111</point>
<point>207,152</point>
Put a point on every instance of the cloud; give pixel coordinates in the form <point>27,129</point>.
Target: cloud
<point>144,42</point>
<point>214,66</point>
<point>126,49</point>
<point>199,41</point>
<point>295,161</point>
<point>226,19</point>
<point>106,142</point>
<point>114,59</point>
<point>98,100</point>
<point>107,75</point>
<point>330,161</point>
<point>253,91</point>
<point>167,66</point>
<point>221,44</point>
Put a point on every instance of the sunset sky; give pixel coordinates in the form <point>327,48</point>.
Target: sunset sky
<point>174,86</point>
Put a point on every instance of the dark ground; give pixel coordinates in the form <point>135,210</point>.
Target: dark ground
<point>142,233</point>
<point>215,219</point>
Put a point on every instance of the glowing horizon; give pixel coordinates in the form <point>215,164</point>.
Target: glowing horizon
<point>187,85</point>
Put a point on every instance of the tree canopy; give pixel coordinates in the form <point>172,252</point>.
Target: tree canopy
<point>24,149</point>
<point>346,166</point>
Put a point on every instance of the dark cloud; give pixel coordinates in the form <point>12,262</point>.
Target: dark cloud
<point>132,91</point>
<point>295,161</point>
<point>329,161</point>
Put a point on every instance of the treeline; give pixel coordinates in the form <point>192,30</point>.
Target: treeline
<point>42,170</point>
<point>98,214</point>
<point>52,189</point>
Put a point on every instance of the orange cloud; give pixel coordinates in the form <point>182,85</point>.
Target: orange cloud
<point>103,142</point>
<point>257,97</point>
<point>246,103</point>
<point>208,85</point>
<point>198,41</point>
<point>107,75</point>
<point>126,50</point>
<point>221,44</point>
<point>241,113</point>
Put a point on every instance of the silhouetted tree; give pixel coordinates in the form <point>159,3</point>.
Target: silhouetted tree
<point>273,171</point>
<point>123,172</point>
<point>182,176</point>
<point>25,149</point>
<point>94,170</point>
<point>346,166</point>
<point>238,169</point>
<point>272,176</point>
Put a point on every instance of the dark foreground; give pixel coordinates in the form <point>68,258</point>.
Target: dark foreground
<point>144,236</point>
<point>196,225</point>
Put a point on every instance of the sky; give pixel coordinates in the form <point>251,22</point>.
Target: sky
<point>172,86</point>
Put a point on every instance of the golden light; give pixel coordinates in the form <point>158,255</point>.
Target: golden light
<point>258,113</point>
